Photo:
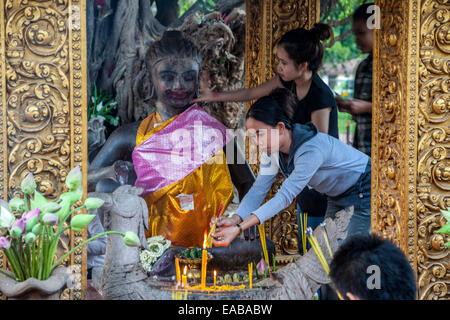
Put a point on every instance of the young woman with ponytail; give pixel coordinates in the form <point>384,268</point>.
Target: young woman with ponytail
<point>305,157</point>
<point>299,54</point>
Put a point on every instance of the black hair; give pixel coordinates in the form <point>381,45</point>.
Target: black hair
<point>276,107</point>
<point>350,270</point>
<point>172,43</point>
<point>303,45</point>
<point>361,13</point>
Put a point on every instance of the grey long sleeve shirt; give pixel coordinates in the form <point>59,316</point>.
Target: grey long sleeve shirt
<point>323,163</point>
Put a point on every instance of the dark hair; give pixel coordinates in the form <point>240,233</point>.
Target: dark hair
<point>172,43</point>
<point>349,269</point>
<point>304,45</point>
<point>361,13</point>
<point>276,107</point>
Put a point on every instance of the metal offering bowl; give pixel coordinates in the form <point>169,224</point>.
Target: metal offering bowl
<point>194,265</point>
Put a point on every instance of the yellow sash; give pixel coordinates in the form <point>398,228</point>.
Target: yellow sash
<point>208,186</point>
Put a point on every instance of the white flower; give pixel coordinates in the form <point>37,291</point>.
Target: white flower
<point>157,246</point>
<point>6,218</point>
<point>155,239</point>
<point>156,249</point>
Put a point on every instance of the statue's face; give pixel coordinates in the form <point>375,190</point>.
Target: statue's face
<point>175,81</point>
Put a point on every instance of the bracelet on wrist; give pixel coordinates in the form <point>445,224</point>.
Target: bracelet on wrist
<point>240,228</point>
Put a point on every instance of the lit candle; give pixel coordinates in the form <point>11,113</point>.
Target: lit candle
<point>250,274</point>
<point>177,267</point>
<point>215,274</point>
<point>184,277</point>
<point>204,262</point>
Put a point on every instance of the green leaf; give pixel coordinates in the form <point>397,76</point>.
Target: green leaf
<point>446,214</point>
<point>447,245</point>
<point>211,3</point>
<point>38,202</point>
<point>445,229</point>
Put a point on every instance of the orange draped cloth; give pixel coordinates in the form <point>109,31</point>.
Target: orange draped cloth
<point>181,211</point>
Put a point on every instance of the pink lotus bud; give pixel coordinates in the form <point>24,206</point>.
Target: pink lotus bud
<point>261,266</point>
<point>5,242</point>
<point>19,224</point>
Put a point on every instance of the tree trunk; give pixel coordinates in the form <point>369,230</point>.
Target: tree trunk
<point>119,35</point>
<point>167,11</point>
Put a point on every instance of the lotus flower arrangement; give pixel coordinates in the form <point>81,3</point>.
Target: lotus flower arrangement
<point>30,242</point>
<point>446,228</point>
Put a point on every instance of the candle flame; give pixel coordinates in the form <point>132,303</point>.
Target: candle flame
<point>204,240</point>
<point>185,270</point>
<point>215,273</point>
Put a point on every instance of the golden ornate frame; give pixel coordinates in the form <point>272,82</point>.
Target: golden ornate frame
<point>43,105</point>
<point>266,22</point>
<point>410,152</point>
<point>43,120</point>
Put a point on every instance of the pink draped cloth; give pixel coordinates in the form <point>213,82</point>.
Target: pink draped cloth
<point>182,146</point>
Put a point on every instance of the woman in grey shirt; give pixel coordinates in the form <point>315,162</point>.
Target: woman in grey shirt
<point>305,157</point>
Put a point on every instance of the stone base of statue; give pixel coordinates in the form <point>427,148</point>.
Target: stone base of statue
<point>34,289</point>
<point>124,278</point>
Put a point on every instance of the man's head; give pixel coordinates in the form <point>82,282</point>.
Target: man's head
<point>370,268</point>
<point>174,62</point>
<point>363,34</point>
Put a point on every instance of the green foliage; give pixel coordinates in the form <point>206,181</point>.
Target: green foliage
<point>205,6</point>
<point>346,49</point>
<point>446,228</point>
<point>184,6</point>
<point>103,105</point>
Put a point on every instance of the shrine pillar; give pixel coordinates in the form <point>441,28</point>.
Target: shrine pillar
<point>43,106</point>
<point>411,135</point>
<point>266,22</point>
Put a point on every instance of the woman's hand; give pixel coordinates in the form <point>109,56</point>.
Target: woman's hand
<point>206,94</point>
<point>225,222</point>
<point>224,237</point>
<point>344,105</point>
<point>354,106</point>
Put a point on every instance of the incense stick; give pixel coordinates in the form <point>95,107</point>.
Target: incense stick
<point>213,228</point>
<point>262,235</point>
<point>312,239</point>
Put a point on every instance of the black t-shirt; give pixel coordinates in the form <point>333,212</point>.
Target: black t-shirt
<point>318,97</point>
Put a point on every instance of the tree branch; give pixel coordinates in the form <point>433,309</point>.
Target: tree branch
<point>221,5</point>
<point>338,23</point>
<point>338,38</point>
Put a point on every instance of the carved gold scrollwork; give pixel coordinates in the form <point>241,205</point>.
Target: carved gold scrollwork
<point>410,152</point>
<point>267,21</point>
<point>44,102</point>
<point>433,149</point>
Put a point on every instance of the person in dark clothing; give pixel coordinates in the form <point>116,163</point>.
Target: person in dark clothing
<point>366,267</point>
<point>361,104</point>
<point>299,54</point>
<point>305,156</point>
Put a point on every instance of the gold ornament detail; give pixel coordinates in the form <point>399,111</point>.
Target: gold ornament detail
<point>433,161</point>
<point>43,104</point>
<point>266,22</point>
<point>410,153</point>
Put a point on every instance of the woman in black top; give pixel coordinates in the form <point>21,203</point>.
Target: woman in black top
<point>299,53</point>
